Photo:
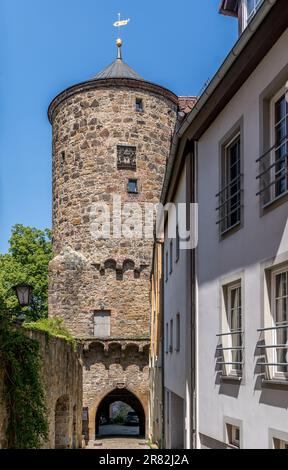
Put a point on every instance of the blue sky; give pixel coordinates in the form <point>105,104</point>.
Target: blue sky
<point>48,45</point>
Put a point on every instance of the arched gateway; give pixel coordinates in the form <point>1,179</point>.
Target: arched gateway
<point>124,396</point>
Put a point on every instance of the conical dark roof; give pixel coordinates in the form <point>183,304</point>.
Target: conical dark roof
<point>118,69</point>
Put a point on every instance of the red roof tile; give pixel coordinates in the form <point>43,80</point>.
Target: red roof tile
<point>186,103</point>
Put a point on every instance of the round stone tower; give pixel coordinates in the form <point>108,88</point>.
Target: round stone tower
<point>111,141</point>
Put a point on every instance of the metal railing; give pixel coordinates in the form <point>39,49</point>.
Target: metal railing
<point>231,349</point>
<point>230,204</point>
<point>276,347</point>
<point>269,176</point>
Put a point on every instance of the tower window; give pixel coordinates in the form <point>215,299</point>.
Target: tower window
<point>139,105</point>
<point>101,325</point>
<point>132,186</point>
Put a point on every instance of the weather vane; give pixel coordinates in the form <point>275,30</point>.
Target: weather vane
<point>118,24</point>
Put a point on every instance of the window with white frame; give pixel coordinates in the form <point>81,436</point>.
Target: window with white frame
<point>230,195</point>
<point>250,7</point>
<point>280,154</point>
<point>167,338</point>
<point>171,257</point>
<point>231,338</point>
<point>178,333</point>
<point>280,444</point>
<point>273,164</point>
<point>171,336</point>
<point>177,244</point>
<point>233,435</point>
<point>279,285</point>
<point>166,266</point>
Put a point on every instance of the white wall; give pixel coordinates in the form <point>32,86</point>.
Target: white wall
<point>260,239</point>
<point>177,371</point>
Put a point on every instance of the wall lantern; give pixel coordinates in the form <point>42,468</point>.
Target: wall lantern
<point>24,294</point>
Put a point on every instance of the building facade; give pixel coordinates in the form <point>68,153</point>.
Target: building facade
<point>111,140</point>
<point>156,401</point>
<point>235,138</point>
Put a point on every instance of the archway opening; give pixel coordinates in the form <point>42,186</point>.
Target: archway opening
<point>62,423</point>
<point>120,413</point>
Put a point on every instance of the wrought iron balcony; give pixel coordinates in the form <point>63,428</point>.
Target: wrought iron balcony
<point>230,204</point>
<point>273,172</point>
<point>275,347</point>
<point>238,365</point>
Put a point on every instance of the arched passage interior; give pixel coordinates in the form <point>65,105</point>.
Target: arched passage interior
<point>62,423</point>
<point>124,396</point>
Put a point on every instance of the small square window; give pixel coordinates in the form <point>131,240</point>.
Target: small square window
<point>133,186</point>
<point>139,105</point>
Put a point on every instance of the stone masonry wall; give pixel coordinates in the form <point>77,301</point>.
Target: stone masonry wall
<point>62,379</point>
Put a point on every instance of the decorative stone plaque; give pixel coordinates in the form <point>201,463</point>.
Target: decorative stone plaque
<point>126,157</point>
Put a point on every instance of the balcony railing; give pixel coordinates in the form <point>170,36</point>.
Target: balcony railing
<point>275,347</point>
<point>273,172</point>
<point>233,366</point>
<point>230,204</point>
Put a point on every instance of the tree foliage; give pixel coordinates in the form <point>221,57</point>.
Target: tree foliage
<point>24,394</point>
<point>30,251</point>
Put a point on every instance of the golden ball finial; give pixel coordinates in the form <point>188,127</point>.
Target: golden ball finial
<point>119,42</point>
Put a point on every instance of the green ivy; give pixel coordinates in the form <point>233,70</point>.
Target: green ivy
<point>52,327</point>
<point>27,413</point>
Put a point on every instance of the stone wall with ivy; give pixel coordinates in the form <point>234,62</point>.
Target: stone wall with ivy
<point>3,412</point>
<point>61,378</point>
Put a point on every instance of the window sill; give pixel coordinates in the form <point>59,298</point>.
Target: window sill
<point>270,206</point>
<point>231,378</point>
<point>275,383</point>
<point>230,231</point>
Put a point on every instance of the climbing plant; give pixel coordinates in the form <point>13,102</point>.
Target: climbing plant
<point>27,413</point>
<point>54,327</point>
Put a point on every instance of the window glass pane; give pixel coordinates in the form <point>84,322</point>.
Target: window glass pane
<point>132,186</point>
<point>230,196</point>
<point>281,319</point>
<point>250,7</point>
<point>281,146</point>
<point>235,325</point>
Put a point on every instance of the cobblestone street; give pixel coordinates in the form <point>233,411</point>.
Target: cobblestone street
<point>118,443</point>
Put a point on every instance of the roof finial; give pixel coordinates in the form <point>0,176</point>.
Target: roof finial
<point>119,41</point>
